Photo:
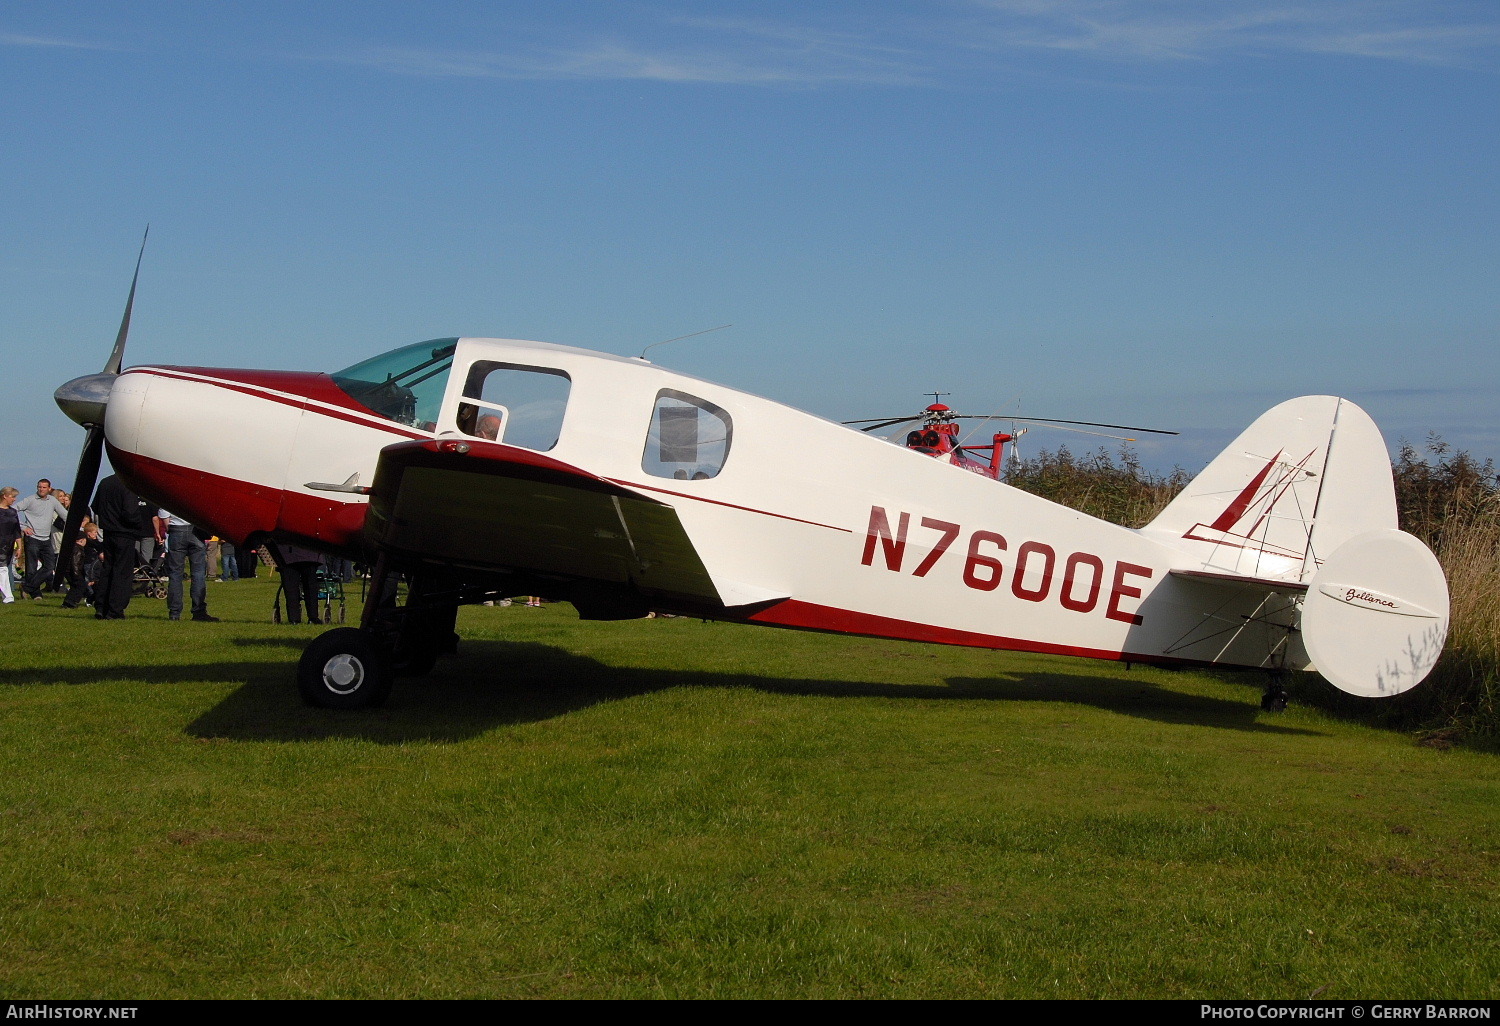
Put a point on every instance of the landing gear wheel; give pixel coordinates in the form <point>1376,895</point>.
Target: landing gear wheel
<point>1275,698</point>
<point>344,669</point>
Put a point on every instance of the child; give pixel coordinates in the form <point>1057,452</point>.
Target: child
<point>88,558</point>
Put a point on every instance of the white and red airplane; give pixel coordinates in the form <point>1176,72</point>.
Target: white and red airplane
<point>482,468</point>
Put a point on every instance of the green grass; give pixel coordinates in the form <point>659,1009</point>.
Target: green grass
<point>672,808</point>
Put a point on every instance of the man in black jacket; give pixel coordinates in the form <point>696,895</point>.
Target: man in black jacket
<point>125,518</point>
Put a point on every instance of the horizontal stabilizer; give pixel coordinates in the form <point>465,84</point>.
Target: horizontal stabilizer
<point>1264,583</point>
<point>1376,616</point>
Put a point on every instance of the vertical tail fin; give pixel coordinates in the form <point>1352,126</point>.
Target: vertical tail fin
<point>1303,479</point>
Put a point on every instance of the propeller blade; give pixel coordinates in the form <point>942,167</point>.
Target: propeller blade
<point>117,355</point>
<point>93,402</point>
<point>83,493</point>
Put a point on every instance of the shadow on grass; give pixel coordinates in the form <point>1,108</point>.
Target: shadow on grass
<point>293,642</point>
<point>493,684</point>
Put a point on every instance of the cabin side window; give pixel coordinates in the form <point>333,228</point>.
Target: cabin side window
<point>522,406</point>
<point>689,438</point>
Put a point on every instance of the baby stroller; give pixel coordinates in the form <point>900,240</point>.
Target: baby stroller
<point>148,580</point>
<point>330,594</point>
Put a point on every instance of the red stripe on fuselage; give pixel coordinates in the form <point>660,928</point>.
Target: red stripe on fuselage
<point>237,510</point>
<point>731,505</point>
<point>811,616</point>
<point>300,390</point>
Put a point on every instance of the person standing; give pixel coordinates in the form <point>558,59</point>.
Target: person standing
<point>185,547</point>
<point>125,518</point>
<point>37,514</point>
<point>10,533</point>
<point>299,578</point>
<point>69,562</point>
<point>61,523</point>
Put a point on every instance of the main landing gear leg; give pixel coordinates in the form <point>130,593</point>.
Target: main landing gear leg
<point>349,667</point>
<point>424,628</point>
<point>352,668</point>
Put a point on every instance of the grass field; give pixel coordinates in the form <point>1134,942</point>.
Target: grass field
<point>678,809</point>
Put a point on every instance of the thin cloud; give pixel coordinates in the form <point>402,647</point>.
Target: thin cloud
<point>961,37</point>
<point>623,61</point>
<point>7,39</point>
<point>716,50</point>
<point>1451,393</point>
<point>1425,31</point>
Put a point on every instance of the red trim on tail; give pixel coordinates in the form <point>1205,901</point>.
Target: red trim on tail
<point>1241,503</point>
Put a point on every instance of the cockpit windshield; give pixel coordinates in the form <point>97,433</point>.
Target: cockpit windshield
<point>405,385</point>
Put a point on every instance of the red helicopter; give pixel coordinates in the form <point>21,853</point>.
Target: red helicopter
<point>938,435</point>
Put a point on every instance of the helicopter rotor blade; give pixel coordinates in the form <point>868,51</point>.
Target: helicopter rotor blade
<point>1097,434</point>
<point>1051,420</point>
<point>877,425</point>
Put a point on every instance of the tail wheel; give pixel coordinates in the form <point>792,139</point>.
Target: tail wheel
<point>344,669</point>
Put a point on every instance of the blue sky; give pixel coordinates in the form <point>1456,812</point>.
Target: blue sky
<point>1140,211</point>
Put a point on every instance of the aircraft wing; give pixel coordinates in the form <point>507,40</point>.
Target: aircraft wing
<point>488,506</point>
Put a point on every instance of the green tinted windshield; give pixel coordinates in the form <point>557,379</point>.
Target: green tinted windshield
<point>405,385</point>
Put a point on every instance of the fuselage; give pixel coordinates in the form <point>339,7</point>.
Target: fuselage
<point>798,521</point>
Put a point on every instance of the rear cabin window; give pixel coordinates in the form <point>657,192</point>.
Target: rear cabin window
<point>689,438</point>
<point>517,405</point>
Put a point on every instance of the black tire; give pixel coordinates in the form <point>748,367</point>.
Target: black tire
<point>344,669</point>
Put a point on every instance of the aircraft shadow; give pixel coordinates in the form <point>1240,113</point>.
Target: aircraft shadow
<point>495,683</point>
